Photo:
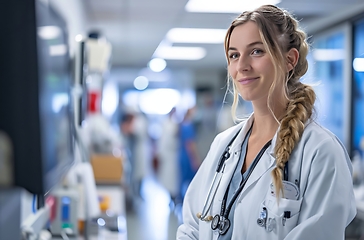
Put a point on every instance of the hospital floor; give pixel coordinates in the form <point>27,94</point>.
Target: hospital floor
<point>152,217</point>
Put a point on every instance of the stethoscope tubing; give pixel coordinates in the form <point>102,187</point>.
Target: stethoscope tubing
<point>226,211</point>
<point>211,194</point>
<point>220,169</point>
<point>215,183</point>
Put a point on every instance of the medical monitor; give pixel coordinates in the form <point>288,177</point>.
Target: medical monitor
<point>35,102</point>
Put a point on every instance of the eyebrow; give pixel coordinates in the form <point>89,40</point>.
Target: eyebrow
<point>249,45</point>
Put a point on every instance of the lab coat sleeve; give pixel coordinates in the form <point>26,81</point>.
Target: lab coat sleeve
<point>196,195</point>
<point>328,204</point>
<point>190,227</point>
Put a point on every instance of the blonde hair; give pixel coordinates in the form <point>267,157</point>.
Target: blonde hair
<point>279,32</point>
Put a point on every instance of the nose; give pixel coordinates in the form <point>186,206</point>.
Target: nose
<point>243,64</point>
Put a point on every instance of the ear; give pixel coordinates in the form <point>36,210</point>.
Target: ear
<point>292,58</point>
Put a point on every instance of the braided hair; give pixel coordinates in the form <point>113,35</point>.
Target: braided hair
<point>279,32</point>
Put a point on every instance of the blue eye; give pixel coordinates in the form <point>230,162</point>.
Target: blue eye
<point>233,55</point>
<point>257,51</point>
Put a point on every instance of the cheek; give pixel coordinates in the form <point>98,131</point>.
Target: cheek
<point>268,65</point>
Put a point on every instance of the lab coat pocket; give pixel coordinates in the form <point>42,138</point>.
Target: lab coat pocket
<point>205,231</point>
<point>282,217</point>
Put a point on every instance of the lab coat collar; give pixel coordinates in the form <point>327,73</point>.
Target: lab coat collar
<point>267,160</point>
<point>245,126</point>
<point>235,149</point>
<point>270,150</point>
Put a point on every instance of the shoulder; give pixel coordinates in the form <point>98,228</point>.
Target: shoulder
<point>317,134</point>
<point>319,143</point>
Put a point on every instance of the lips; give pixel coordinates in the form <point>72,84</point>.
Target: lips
<point>247,80</point>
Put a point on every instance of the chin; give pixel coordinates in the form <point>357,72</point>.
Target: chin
<point>246,97</point>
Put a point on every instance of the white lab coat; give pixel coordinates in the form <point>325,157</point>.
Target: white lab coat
<point>325,207</point>
<point>141,150</point>
<point>167,151</point>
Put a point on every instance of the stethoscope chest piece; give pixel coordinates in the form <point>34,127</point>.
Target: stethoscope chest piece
<point>215,222</point>
<point>262,218</point>
<point>220,223</point>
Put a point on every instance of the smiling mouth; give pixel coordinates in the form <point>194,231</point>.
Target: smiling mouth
<point>247,80</point>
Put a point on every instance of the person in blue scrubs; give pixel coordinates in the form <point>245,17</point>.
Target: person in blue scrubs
<point>188,155</point>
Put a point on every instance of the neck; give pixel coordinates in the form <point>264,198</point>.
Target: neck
<point>265,123</point>
<point>265,126</point>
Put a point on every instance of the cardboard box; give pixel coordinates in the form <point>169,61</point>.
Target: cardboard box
<point>107,168</point>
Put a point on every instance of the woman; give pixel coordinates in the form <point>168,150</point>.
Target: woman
<point>279,175</point>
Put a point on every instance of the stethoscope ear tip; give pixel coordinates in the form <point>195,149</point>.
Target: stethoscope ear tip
<point>208,218</point>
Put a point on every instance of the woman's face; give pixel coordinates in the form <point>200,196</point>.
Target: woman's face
<point>250,66</point>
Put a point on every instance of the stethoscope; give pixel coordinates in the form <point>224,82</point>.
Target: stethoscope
<point>220,221</point>
<point>216,182</point>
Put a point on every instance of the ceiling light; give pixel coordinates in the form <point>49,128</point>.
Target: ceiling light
<point>358,64</point>
<point>157,64</point>
<point>196,35</point>
<point>141,83</point>
<point>180,53</point>
<point>225,6</point>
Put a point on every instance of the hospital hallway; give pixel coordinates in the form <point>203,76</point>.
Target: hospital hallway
<point>152,217</point>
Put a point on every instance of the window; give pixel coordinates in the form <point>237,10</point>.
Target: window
<point>358,87</point>
<point>328,71</point>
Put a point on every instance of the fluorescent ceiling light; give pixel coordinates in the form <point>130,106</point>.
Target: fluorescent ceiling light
<point>328,54</point>
<point>196,35</point>
<point>157,64</point>
<point>180,53</point>
<point>358,64</point>
<point>226,6</point>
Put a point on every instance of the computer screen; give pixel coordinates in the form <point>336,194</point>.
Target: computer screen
<point>54,93</point>
<point>35,104</point>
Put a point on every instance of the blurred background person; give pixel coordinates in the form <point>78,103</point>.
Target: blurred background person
<point>167,155</point>
<point>141,152</point>
<point>188,154</point>
<point>134,129</point>
<point>126,132</point>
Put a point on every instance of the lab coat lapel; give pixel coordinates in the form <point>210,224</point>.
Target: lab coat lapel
<point>266,163</point>
<point>231,162</point>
